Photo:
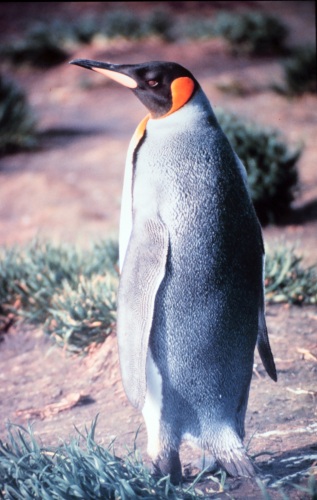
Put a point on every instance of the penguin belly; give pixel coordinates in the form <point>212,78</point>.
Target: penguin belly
<point>205,318</point>
<point>152,409</point>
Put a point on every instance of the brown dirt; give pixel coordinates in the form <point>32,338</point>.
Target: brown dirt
<point>70,189</point>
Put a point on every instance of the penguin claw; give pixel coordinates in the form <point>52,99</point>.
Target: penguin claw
<point>239,468</point>
<point>158,474</point>
<point>206,464</point>
<point>168,464</point>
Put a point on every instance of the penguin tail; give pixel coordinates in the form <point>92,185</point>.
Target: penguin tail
<point>264,347</point>
<point>266,354</point>
<point>231,454</point>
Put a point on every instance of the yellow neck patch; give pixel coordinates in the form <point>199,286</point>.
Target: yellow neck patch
<point>139,131</point>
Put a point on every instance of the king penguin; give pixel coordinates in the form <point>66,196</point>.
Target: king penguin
<point>191,293</point>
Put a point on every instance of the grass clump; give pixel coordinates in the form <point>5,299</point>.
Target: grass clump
<point>48,44</point>
<point>270,163</point>
<point>84,29</point>
<point>85,315</point>
<point>123,24</point>
<point>17,122</point>
<point>286,280</point>
<point>42,46</point>
<point>71,292</point>
<point>299,72</point>
<point>196,28</point>
<point>30,276</point>
<point>29,470</point>
<point>252,32</point>
<point>161,24</point>
<point>126,24</point>
<point>85,470</point>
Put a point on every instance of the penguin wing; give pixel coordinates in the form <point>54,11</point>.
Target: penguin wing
<point>142,274</point>
<point>264,347</point>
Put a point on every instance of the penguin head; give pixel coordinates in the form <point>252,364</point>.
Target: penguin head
<point>163,87</point>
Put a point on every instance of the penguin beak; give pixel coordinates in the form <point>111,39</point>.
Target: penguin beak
<point>114,71</point>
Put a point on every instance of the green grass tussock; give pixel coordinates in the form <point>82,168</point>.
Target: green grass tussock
<point>73,471</point>
<point>252,32</point>
<point>248,33</point>
<point>17,121</point>
<point>41,46</point>
<point>85,315</point>
<point>287,280</point>
<point>72,293</point>
<point>46,44</point>
<point>270,162</point>
<point>300,72</point>
<point>83,469</point>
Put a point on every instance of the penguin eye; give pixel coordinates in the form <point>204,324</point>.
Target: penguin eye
<point>152,83</point>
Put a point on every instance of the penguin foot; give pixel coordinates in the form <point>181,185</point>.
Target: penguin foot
<point>231,454</point>
<point>238,467</point>
<point>168,463</point>
<point>206,465</point>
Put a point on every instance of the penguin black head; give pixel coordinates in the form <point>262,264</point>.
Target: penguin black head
<point>163,87</point>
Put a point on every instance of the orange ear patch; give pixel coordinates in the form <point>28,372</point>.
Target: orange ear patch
<point>182,89</point>
<point>125,80</point>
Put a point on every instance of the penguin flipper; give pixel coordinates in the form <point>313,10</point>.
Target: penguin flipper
<point>264,347</point>
<point>142,273</point>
